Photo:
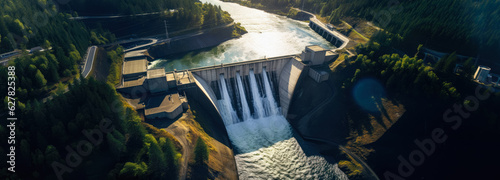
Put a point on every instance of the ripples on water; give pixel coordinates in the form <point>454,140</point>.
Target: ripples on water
<point>268,35</point>
<point>269,151</point>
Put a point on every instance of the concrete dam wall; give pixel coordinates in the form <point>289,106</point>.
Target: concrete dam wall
<point>283,72</point>
<point>334,37</point>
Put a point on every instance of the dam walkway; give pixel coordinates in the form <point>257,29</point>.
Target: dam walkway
<point>337,39</point>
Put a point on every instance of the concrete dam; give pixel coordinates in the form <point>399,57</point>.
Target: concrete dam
<point>283,73</point>
<point>250,99</point>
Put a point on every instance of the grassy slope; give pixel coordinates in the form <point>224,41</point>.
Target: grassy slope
<point>100,70</point>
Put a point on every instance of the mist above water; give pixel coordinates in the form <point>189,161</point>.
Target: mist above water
<point>268,35</point>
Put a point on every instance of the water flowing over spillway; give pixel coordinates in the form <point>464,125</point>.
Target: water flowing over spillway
<point>227,109</point>
<point>243,100</point>
<point>264,141</point>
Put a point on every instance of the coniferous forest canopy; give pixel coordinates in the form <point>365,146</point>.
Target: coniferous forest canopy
<point>181,15</point>
<point>125,7</point>
<point>58,106</point>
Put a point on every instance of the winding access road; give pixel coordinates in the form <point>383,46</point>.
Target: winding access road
<point>89,61</point>
<point>153,41</point>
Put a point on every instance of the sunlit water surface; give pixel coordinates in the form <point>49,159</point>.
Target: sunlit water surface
<point>268,35</point>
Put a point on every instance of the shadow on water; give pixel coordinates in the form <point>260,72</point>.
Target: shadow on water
<point>190,59</point>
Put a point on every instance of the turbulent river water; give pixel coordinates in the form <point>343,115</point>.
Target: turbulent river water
<point>268,35</point>
<point>263,140</point>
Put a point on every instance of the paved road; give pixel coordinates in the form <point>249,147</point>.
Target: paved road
<point>89,61</point>
<point>130,40</point>
<point>153,41</point>
<point>181,132</point>
<point>6,57</point>
<point>6,61</point>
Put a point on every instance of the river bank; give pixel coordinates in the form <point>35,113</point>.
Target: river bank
<point>206,39</point>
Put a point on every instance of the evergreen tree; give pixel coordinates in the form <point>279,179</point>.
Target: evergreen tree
<point>157,165</point>
<point>169,152</point>
<point>200,152</point>
<point>51,155</point>
<point>133,171</point>
<point>116,146</point>
<point>40,79</point>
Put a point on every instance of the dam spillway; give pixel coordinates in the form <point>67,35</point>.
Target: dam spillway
<point>264,141</point>
<point>252,99</point>
<point>283,72</point>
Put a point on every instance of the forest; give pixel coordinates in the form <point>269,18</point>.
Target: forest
<point>60,109</point>
<point>180,20</point>
<point>467,26</point>
<point>72,122</point>
<point>124,7</point>
<point>26,24</point>
<point>428,91</point>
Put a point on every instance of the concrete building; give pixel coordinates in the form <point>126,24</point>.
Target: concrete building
<point>482,73</point>
<point>134,69</point>
<point>165,106</point>
<point>318,75</point>
<point>157,81</point>
<point>316,55</point>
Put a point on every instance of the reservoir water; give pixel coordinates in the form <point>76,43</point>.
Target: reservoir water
<point>269,35</point>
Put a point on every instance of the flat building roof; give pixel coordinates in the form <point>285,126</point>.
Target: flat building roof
<point>133,67</point>
<point>315,48</point>
<point>162,103</point>
<point>156,73</point>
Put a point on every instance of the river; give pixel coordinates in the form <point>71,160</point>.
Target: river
<point>269,35</point>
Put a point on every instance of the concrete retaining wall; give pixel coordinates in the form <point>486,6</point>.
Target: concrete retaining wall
<point>288,79</point>
<point>204,94</point>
